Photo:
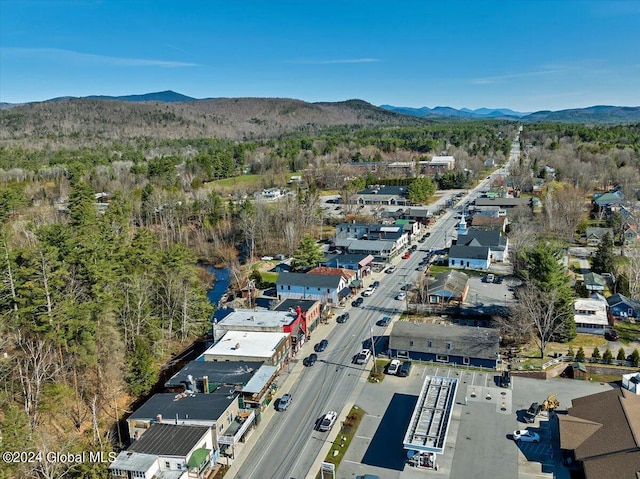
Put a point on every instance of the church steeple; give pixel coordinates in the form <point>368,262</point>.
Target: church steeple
<point>462,226</point>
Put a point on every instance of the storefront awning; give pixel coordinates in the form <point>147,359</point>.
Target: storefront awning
<point>356,283</point>
<point>344,293</point>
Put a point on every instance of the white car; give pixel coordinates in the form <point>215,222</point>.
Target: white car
<point>394,365</point>
<point>328,421</point>
<point>363,356</point>
<point>369,291</point>
<point>401,296</point>
<point>525,435</point>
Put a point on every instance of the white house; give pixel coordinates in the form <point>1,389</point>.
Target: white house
<point>590,314</point>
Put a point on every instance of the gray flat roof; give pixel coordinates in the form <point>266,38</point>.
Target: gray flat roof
<point>133,461</point>
<point>429,425</point>
<point>199,407</point>
<point>169,439</point>
<point>235,373</point>
<point>305,304</point>
<point>260,379</point>
<point>254,317</point>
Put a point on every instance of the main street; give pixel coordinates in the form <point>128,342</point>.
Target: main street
<point>290,443</point>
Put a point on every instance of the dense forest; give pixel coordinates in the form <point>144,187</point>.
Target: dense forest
<point>101,241</point>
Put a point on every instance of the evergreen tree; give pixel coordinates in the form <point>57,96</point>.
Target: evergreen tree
<point>603,261</point>
<point>622,356</point>
<point>570,353</point>
<point>580,356</point>
<point>596,353</point>
<point>635,358</point>
<point>607,356</point>
<point>308,255</point>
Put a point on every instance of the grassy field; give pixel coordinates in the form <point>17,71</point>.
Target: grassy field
<point>345,436</point>
<point>245,180</point>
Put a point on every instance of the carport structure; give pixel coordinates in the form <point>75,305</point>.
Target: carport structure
<point>426,436</point>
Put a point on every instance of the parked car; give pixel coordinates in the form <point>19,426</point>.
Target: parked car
<point>284,402</point>
<point>342,318</point>
<point>531,413</point>
<point>357,302</point>
<point>427,234</point>
<point>393,367</point>
<point>525,435</point>
<point>488,278</point>
<point>363,356</point>
<point>407,255</point>
<point>321,346</point>
<point>368,476</point>
<point>384,321</point>
<point>405,369</point>
<point>328,421</point>
<point>369,291</point>
<point>375,284</point>
<point>391,270</point>
<point>310,360</point>
<point>401,296</point>
<point>505,379</point>
<point>611,335</point>
<point>498,279</point>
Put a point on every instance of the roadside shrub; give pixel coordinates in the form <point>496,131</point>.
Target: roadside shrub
<point>635,358</point>
<point>570,353</point>
<point>596,353</point>
<point>621,355</point>
<point>580,355</point>
<point>607,356</point>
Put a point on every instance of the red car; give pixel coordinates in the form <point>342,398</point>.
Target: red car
<point>406,255</point>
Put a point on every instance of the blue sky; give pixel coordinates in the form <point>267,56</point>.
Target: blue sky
<point>525,55</point>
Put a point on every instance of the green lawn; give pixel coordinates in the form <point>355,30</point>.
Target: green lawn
<point>245,180</point>
<point>344,438</point>
<point>628,331</point>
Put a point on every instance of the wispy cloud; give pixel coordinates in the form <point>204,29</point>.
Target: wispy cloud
<point>70,56</point>
<point>335,62</point>
<point>500,78</point>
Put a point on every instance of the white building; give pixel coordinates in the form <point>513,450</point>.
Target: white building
<point>590,314</point>
<point>269,347</point>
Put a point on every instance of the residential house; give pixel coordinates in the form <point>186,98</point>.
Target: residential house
<point>489,163</point>
<point>271,194</point>
<point>291,322</point>
<point>631,233</point>
<point>381,250</point>
<point>497,243</point>
<point>485,222</point>
<point>593,282</point>
<point>169,451</point>
<point>445,344</point>
<point>595,235</point>
<point>591,314</point>
<point>360,263</point>
<point>609,201</point>
<point>600,434</point>
<point>272,348</point>
<point>417,213</point>
<point>503,203</point>
<point>410,227</point>
<point>622,307</point>
<point>323,288</point>
<point>491,211</point>
<point>447,287</point>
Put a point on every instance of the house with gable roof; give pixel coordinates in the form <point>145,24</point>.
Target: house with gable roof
<point>321,287</point>
<point>601,434</point>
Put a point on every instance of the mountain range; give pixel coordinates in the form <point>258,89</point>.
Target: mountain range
<point>173,115</point>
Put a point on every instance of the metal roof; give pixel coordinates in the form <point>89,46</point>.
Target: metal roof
<point>169,439</point>
<point>429,425</point>
<point>260,379</point>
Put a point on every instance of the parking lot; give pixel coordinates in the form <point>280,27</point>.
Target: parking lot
<point>479,443</point>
